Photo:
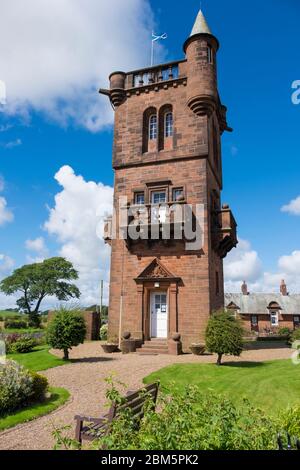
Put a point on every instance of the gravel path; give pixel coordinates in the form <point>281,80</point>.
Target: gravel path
<point>84,379</point>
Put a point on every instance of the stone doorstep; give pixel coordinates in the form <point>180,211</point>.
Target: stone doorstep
<point>155,347</point>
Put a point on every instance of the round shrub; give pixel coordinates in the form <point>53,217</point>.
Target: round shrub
<point>67,329</point>
<point>10,340</point>
<point>39,387</point>
<point>23,345</point>
<point>104,332</point>
<point>16,386</point>
<point>224,335</point>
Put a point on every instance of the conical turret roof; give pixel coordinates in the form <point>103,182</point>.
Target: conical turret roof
<point>200,26</point>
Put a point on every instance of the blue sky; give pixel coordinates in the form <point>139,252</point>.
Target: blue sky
<point>50,122</point>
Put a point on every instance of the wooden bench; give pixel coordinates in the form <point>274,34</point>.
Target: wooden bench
<point>88,428</point>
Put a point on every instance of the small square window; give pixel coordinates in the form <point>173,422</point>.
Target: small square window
<point>139,198</point>
<point>178,194</point>
<point>254,320</point>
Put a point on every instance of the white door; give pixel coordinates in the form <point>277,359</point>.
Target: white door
<point>159,315</point>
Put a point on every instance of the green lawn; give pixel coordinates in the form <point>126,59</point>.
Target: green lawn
<point>270,385</point>
<point>37,360</point>
<point>6,314</point>
<point>58,397</point>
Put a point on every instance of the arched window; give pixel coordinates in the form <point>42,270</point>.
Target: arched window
<point>169,124</point>
<point>153,127</point>
<point>150,130</point>
<point>166,127</point>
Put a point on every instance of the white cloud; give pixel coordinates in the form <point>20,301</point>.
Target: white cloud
<point>234,150</point>
<point>245,264</point>
<point>293,207</point>
<point>6,215</point>
<point>6,265</point>
<point>38,246</point>
<point>75,220</point>
<point>61,51</point>
<point>11,144</point>
<point>290,264</point>
<point>242,263</point>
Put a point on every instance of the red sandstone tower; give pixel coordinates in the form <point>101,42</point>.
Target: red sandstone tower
<point>167,152</point>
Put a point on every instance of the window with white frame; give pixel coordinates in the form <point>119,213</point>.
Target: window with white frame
<point>169,124</point>
<point>139,198</point>
<point>153,127</point>
<point>274,319</point>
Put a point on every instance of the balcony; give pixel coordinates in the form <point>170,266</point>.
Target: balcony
<point>153,222</point>
<point>226,238</point>
<point>155,75</point>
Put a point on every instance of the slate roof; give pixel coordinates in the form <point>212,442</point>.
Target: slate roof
<point>258,303</point>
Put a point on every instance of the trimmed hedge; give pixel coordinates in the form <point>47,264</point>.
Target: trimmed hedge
<point>15,324</point>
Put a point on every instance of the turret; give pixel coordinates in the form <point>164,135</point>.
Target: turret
<point>201,50</point>
<point>116,93</point>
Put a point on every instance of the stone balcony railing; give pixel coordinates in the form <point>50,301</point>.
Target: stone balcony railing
<point>150,222</point>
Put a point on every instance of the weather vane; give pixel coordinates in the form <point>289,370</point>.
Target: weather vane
<point>156,38</point>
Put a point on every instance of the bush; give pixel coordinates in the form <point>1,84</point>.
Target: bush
<point>16,386</point>
<point>194,421</point>
<point>36,322</point>
<point>15,325</point>
<point>39,387</point>
<point>23,345</point>
<point>285,331</point>
<point>295,336</point>
<point>104,332</point>
<point>10,340</point>
<point>224,335</point>
<point>67,329</point>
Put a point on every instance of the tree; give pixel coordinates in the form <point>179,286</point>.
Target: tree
<point>39,280</point>
<point>224,335</point>
<point>66,330</point>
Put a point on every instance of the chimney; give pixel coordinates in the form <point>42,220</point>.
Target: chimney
<point>283,288</point>
<point>245,288</point>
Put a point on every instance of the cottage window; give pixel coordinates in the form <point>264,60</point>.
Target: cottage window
<point>274,319</point>
<point>254,321</point>
<point>296,321</point>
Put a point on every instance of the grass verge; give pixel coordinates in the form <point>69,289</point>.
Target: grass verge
<point>58,397</point>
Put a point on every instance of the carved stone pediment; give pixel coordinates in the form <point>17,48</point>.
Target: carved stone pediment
<point>156,270</point>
